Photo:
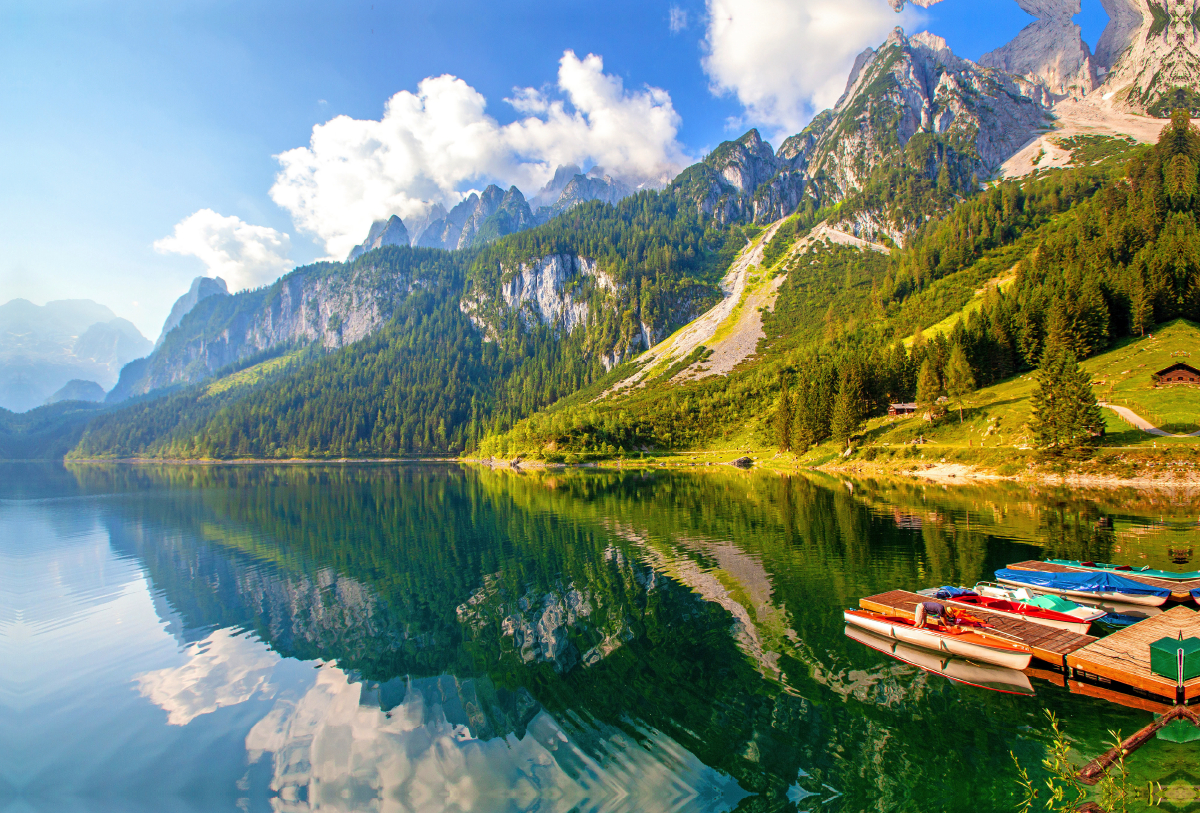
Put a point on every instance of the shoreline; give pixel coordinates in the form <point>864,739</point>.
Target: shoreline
<point>942,473</point>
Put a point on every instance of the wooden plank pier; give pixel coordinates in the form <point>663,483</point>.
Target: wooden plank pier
<point>1116,668</point>
<point>1048,644</point>
<point>1124,656</point>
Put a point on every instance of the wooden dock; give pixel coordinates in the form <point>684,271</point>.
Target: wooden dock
<point>1181,590</point>
<point>1048,644</point>
<point>1124,657</point>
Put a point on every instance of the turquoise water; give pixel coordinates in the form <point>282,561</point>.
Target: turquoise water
<point>432,637</point>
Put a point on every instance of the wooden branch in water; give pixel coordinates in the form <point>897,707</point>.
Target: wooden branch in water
<point>1091,773</point>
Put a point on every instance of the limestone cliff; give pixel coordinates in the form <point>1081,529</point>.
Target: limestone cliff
<point>328,303</point>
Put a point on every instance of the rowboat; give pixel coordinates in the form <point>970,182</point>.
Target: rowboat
<point>1046,601</point>
<point>1136,571</point>
<point>983,675</point>
<point>1013,609</point>
<point>973,644</point>
<point>1098,585</point>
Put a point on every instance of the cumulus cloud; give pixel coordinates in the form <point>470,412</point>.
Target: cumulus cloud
<point>788,59</point>
<point>429,146</point>
<point>245,256</point>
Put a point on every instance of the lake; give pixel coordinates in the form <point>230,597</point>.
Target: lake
<point>433,637</point>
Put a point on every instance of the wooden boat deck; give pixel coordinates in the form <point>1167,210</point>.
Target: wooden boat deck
<point>1180,590</point>
<point>1048,644</point>
<point>1124,656</point>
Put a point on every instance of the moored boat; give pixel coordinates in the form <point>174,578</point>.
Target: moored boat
<point>1106,567</point>
<point>1047,601</point>
<point>1095,585</point>
<point>1013,609</point>
<point>973,644</point>
<point>961,670</point>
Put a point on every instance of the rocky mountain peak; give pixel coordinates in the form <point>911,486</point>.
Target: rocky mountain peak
<point>201,288</point>
<point>390,232</point>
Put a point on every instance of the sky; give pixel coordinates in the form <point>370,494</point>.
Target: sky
<point>147,143</point>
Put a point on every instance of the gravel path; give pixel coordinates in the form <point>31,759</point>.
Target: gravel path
<point>1133,419</point>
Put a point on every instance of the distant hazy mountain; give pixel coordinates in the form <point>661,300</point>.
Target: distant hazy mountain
<point>78,390</point>
<point>44,347</point>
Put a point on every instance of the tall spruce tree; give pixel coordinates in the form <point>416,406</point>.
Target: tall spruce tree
<point>929,389</point>
<point>1065,412</point>
<point>784,419</point>
<point>959,379</point>
<point>849,409</point>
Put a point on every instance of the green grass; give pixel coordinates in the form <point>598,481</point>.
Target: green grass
<point>251,375</point>
<point>947,325</point>
<point>998,416</point>
<point>1122,376</point>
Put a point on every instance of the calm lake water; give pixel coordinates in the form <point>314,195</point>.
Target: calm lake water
<point>432,638</point>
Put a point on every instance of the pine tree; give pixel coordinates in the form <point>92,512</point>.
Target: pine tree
<point>929,389</point>
<point>784,420</point>
<point>1065,412</point>
<point>1141,309</point>
<point>959,378</point>
<point>849,409</point>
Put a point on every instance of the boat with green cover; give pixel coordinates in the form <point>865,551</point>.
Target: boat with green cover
<point>1133,571</point>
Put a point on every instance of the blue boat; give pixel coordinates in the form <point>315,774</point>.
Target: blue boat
<point>1096,585</point>
<point>1137,571</point>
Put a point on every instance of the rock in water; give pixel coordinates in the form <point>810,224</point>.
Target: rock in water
<point>743,463</point>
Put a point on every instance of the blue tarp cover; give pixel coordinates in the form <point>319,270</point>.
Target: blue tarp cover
<point>1098,582</point>
<point>1196,594</point>
<point>946,591</point>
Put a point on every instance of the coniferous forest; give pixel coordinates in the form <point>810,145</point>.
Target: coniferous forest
<point>1104,250</point>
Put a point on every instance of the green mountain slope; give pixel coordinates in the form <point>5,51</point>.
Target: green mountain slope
<point>1110,249</point>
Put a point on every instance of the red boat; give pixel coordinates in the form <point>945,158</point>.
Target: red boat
<point>1016,609</point>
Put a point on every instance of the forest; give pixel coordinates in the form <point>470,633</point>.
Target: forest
<point>1107,249</point>
<point>1103,251</point>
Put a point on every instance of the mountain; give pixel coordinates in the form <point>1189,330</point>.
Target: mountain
<point>202,288</point>
<point>433,348</point>
<point>580,188</point>
<point>44,347</point>
<point>390,232</point>
<point>479,219</point>
<point>328,304</point>
<point>78,390</point>
<point>1146,61</point>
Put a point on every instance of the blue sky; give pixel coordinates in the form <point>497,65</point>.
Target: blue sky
<point>125,119</point>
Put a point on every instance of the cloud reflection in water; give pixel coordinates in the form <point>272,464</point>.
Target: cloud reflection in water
<point>333,743</point>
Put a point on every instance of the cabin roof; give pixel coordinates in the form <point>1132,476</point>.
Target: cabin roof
<point>1179,365</point>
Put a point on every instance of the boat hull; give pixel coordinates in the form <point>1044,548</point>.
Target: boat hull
<point>982,675</point>
<point>1120,598</point>
<point>937,642</point>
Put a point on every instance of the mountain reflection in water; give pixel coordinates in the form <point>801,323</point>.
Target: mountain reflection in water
<point>437,638</point>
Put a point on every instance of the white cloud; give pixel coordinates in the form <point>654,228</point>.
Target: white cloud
<point>788,59</point>
<point>245,256</point>
<point>430,145</point>
<point>677,19</point>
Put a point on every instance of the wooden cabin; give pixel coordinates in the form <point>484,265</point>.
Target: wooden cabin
<point>1178,373</point>
<point>901,410</point>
